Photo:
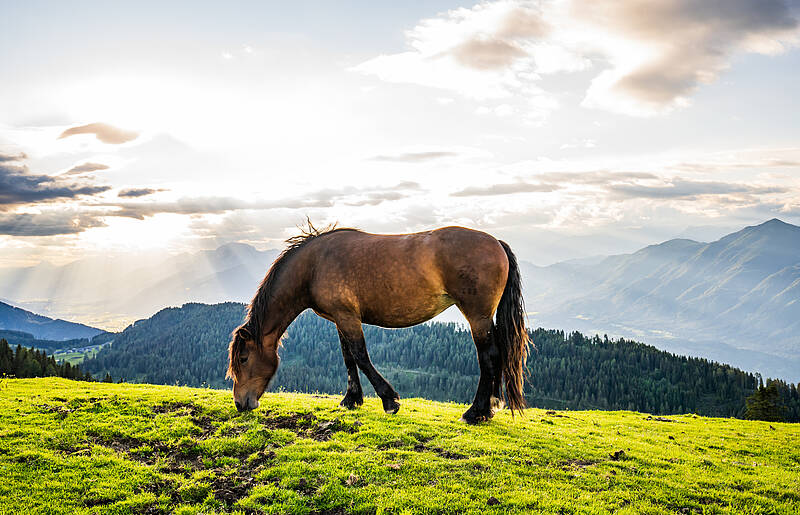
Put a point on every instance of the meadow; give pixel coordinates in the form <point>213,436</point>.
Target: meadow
<point>83,447</point>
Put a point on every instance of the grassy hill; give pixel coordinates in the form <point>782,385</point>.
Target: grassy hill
<point>75,447</point>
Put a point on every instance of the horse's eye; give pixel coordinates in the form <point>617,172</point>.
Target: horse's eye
<point>243,360</point>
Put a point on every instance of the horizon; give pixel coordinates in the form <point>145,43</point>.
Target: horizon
<point>569,129</point>
<point>279,248</point>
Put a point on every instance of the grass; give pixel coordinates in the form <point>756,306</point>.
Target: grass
<point>75,447</point>
<point>76,358</point>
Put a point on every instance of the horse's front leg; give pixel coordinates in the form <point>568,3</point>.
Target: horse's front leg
<point>354,396</point>
<point>352,334</point>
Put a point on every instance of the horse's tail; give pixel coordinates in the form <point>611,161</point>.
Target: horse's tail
<point>510,335</point>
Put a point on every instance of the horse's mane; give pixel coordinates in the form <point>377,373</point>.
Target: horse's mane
<point>256,311</point>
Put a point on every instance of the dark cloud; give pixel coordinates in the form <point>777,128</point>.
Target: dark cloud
<point>18,186</point>
<point>414,157</point>
<point>137,192</point>
<point>5,158</point>
<point>103,132</point>
<point>505,189</point>
<point>85,168</point>
<point>47,224</point>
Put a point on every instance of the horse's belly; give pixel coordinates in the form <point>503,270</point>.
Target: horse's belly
<point>401,314</point>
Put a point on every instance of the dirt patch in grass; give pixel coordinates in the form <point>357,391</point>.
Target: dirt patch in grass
<point>61,411</point>
<point>309,426</point>
<point>442,453</point>
<point>659,419</point>
<point>581,463</point>
<point>98,501</point>
<point>230,486</point>
<point>182,408</point>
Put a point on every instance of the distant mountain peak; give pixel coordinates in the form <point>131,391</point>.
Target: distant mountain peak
<point>42,327</point>
<point>776,223</point>
<point>235,246</point>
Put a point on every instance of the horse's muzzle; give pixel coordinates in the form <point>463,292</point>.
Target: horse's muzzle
<point>248,404</point>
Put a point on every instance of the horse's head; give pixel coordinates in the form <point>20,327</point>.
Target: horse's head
<point>251,366</point>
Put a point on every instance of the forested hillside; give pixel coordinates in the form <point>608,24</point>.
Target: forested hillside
<point>188,346</point>
<point>28,340</point>
<point>22,363</point>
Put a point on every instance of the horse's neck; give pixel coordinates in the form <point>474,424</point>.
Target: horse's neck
<point>288,299</point>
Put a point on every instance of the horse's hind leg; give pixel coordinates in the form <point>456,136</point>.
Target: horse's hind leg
<point>354,396</point>
<point>352,333</point>
<point>487,397</point>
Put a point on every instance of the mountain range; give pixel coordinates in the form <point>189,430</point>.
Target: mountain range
<point>735,300</point>
<point>111,293</point>
<point>41,327</point>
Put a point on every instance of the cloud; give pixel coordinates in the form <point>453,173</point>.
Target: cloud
<point>18,186</point>
<point>681,45</point>
<point>103,132</point>
<point>47,224</point>
<point>646,58</point>
<point>85,168</point>
<point>414,157</point>
<point>594,177</point>
<point>678,188</point>
<point>137,192</point>
<point>505,189</point>
<point>482,53</point>
<point>323,198</point>
<point>6,158</point>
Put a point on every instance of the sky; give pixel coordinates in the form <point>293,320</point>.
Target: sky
<point>568,128</point>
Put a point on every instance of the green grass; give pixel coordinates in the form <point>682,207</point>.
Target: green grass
<point>76,358</point>
<point>75,447</point>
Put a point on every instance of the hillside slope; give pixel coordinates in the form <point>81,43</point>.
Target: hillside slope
<point>733,300</point>
<point>42,327</point>
<point>74,447</point>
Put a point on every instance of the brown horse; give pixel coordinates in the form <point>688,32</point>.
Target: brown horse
<point>351,277</point>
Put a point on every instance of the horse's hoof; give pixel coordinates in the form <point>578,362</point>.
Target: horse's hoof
<point>471,418</point>
<point>351,403</point>
<point>391,406</point>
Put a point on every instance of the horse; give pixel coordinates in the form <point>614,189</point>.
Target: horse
<point>352,277</point>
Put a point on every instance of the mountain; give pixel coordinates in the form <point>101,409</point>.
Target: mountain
<point>112,292</point>
<point>42,327</point>
<point>735,300</point>
<point>188,345</point>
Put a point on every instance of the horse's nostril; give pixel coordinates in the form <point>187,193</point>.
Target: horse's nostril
<point>239,406</point>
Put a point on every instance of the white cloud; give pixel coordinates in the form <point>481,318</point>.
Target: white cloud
<point>648,58</point>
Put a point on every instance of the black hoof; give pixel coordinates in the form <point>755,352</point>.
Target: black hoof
<point>475,417</point>
<point>391,406</point>
<point>352,401</point>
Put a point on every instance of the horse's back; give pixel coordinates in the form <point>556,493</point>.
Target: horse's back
<point>404,279</point>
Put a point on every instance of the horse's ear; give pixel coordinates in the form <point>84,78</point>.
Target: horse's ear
<point>244,334</point>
